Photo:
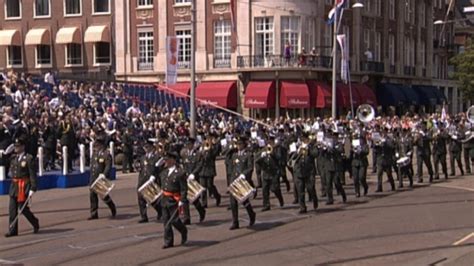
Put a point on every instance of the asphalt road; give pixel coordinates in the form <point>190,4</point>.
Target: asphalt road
<point>428,225</point>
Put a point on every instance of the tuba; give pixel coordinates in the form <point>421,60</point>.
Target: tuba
<point>470,114</point>
<point>365,113</point>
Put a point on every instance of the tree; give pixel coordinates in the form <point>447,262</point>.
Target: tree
<point>464,70</point>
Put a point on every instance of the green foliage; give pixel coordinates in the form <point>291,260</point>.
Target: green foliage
<point>464,70</point>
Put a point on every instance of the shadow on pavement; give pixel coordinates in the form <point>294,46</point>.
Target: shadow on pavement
<point>54,231</point>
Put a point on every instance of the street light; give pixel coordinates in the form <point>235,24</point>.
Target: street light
<point>334,58</point>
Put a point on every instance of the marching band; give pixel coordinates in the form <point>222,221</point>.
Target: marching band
<point>176,170</point>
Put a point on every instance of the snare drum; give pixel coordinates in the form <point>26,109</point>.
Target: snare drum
<point>150,191</point>
<point>194,190</point>
<point>102,186</point>
<point>404,161</point>
<point>241,190</point>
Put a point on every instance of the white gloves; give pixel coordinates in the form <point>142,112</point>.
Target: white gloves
<point>101,176</point>
<point>180,204</point>
<point>242,176</point>
<point>152,178</point>
<point>264,154</point>
<point>31,193</point>
<point>191,177</point>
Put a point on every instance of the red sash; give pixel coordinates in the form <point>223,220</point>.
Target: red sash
<point>21,183</point>
<point>175,195</point>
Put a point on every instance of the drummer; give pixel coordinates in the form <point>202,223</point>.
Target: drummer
<point>101,165</point>
<point>150,168</point>
<point>192,164</point>
<point>404,150</point>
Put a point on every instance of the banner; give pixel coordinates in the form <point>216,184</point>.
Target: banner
<point>171,60</point>
<point>342,40</point>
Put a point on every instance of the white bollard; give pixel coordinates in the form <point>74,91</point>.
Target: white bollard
<point>40,161</point>
<point>65,160</point>
<point>82,158</point>
<point>112,153</point>
<point>91,151</point>
<point>2,173</point>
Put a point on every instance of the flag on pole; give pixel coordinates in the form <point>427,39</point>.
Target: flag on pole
<point>343,44</point>
<point>172,48</point>
<point>332,14</point>
<point>232,15</point>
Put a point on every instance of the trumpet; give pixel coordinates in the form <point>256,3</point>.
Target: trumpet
<point>207,146</point>
<point>268,149</point>
<point>302,151</point>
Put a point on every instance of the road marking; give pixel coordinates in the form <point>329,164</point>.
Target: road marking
<point>2,262</point>
<point>455,187</point>
<point>464,239</point>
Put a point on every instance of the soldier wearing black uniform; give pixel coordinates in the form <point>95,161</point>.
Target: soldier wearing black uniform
<point>173,183</point>
<point>242,168</point>
<point>22,187</point>
<point>332,165</point>
<point>150,168</point>
<point>101,164</point>
<point>127,148</point>
<point>303,161</point>
<point>404,148</point>
<point>455,149</point>
<point>282,153</point>
<point>423,153</point>
<point>6,143</point>
<point>384,147</point>
<point>191,160</point>
<point>208,172</point>
<point>268,163</point>
<point>360,151</point>
<point>440,137</point>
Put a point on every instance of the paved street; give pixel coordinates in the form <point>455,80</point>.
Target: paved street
<point>427,225</point>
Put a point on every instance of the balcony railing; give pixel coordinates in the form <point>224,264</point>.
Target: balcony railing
<point>280,61</point>
<point>184,65</point>
<point>145,66</point>
<point>409,71</point>
<point>371,66</point>
<point>222,62</point>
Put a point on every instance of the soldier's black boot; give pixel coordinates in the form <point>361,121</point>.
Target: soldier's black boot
<point>392,184</point>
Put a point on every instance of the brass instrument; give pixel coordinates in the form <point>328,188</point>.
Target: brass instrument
<point>470,114</point>
<point>207,145</point>
<point>365,113</point>
<point>268,149</point>
<point>302,151</point>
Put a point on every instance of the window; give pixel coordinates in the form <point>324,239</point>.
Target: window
<point>264,36</point>
<point>182,1</point>
<point>184,50</point>
<point>101,6</point>
<point>102,53</point>
<point>146,51</point>
<point>378,45</point>
<point>378,7</point>
<point>43,55</point>
<point>422,14</point>
<point>310,33</point>
<point>222,43</point>
<point>368,6</point>
<point>13,9</point>
<point>391,49</point>
<point>14,56</point>
<point>73,54</point>
<point>72,7</point>
<point>423,53</point>
<point>366,39</point>
<point>290,33</point>
<point>391,11</point>
<point>145,3</point>
<point>327,39</point>
<point>42,8</point>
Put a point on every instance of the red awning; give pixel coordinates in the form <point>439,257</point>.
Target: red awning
<point>179,90</point>
<point>260,95</point>
<point>320,94</point>
<point>344,96</point>
<point>221,93</point>
<point>366,94</point>
<point>294,95</point>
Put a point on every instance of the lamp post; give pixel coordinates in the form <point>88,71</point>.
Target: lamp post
<point>334,56</point>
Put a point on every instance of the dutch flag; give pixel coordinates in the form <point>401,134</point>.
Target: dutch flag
<point>337,8</point>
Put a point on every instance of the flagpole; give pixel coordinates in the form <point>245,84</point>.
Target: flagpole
<point>334,63</point>
<point>193,71</point>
